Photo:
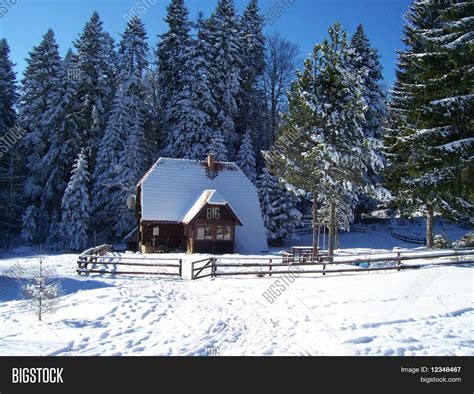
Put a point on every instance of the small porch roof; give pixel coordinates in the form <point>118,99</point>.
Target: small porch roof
<point>208,197</point>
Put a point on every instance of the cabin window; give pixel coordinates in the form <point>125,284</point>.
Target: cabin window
<point>223,233</point>
<point>204,233</point>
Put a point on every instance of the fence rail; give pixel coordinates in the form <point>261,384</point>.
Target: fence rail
<point>304,230</point>
<point>89,263</point>
<point>206,265</point>
<point>408,238</point>
<point>358,229</point>
<point>222,266</point>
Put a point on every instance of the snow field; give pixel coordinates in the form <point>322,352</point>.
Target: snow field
<point>422,312</point>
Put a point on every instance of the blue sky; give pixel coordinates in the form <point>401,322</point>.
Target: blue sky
<point>304,22</point>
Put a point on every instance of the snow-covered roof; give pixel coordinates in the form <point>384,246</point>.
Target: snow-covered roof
<point>174,187</point>
<point>207,197</point>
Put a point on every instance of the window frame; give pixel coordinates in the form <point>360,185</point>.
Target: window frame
<point>230,226</point>
<point>204,226</point>
<point>225,227</point>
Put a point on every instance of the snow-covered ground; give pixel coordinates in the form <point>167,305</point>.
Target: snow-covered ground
<point>422,312</point>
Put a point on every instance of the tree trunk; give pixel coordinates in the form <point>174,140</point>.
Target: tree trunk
<point>332,221</point>
<point>429,228</point>
<point>11,202</point>
<point>40,306</point>
<point>315,223</point>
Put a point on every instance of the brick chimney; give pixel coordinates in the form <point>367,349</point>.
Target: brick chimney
<point>211,158</point>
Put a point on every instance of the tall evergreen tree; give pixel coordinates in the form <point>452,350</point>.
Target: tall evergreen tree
<point>105,172</point>
<point>76,206</point>
<point>322,145</point>
<point>430,141</point>
<point>62,124</point>
<point>122,151</point>
<point>218,147</point>
<point>11,168</point>
<point>278,206</point>
<point>9,96</point>
<point>130,170</point>
<point>170,54</point>
<point>41,87</point>
<point>191,131</point>
<point>365,60</point>
<point>246,158</point>
<point>96,69</point>
<point>224,55</point>
<point>29,226</point>
<point>251,100</point>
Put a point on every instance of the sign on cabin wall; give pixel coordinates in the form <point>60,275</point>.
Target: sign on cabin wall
<point>215,213</point>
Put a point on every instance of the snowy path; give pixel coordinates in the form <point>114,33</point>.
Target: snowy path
<point>423,312</point>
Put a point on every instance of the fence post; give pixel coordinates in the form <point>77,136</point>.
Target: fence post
<point>214,267</point>
<point>192,271</point>
<point>270,267</point>
<point>181,268</point>
<point>324,265</point>
<point>398,261</point>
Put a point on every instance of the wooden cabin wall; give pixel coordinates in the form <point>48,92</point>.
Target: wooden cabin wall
<point>171,235</point>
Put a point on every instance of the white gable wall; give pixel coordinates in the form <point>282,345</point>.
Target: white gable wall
<point>172,187</point>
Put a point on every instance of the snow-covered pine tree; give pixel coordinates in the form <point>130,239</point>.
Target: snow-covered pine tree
<point>246,158</point>
<point>266,185</point>
<point>9,95</point>
<point>429,137</point>
<point>61,121</point>
<point>40,88</point>
<point>365,60</point>
<point>107,163</point>
<point>401,114</point>
<point>96,69</point>
<point>322,147</point>
<point>76,206</point>
<point>287,216</point>
<point>170,55</point>
<point>129,171</point>
<point>191,134</point>
<point>451,107</point>
<point>29,230</point>
<point>42,292</point>
<point>278,205</point>
<point>133,56</point>
<point>55,237</point>
<point>251,99</point>
<point>131,163</point>
<point>343,213</point>
<point>122,156</point>
<point>11,157</point>
<point>224,56</point>
<point>154,133</point>
<point>218,146</point>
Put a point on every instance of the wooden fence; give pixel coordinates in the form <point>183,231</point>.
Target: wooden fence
<point>408,238</point>
<point>261,267</point>
<point>204,268</point>
<point>95,261</point>
<point>361,228</point>
<point>304,230</point>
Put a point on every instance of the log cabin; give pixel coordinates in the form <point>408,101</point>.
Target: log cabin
<point>198,206</point>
